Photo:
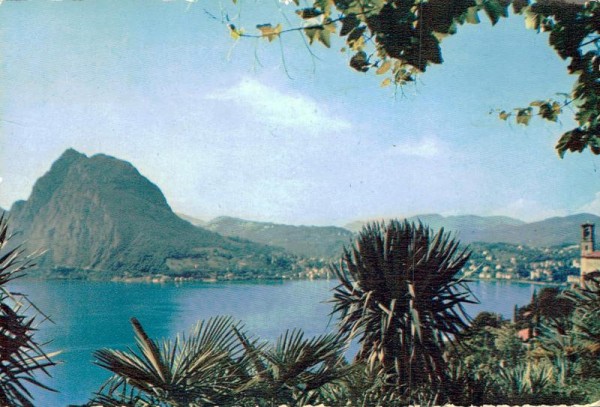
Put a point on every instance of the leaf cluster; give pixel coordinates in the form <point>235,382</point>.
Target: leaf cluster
<point>399,38</point>
<point>401,297</point>
<point>574,33</point>
<point>217,364</point>
<point>22,357</point>
<point>558,363</point>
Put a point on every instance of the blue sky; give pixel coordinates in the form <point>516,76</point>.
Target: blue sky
<point>270,132</point>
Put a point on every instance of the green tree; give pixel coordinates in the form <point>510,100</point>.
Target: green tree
<point>295,370</point>
<point>201,369</point>
<point>585,333</point>
<point>401,297</point>
<point>22,358</point>
<point>217,365</point>
<point>547,307</point>
<point>586,315</point>
<point>399,39</point>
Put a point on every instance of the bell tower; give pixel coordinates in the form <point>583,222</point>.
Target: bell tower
<point>587,238</point>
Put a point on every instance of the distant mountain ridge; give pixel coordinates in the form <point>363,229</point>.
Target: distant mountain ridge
<point>101,215</point>
<point>192,220</point>
<point>306,241</point>
<point>549,232</point>
<point>468,226</point>
<point>501,229</point>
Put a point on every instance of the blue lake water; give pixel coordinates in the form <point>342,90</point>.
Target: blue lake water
<point>91,315</point>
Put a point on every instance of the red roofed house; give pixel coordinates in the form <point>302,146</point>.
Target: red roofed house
<point>525,334</point>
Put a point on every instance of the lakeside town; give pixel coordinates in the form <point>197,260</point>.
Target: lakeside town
<point>500,261</point>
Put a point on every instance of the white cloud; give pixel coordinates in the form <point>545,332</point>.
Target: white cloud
<point>275,107</point>
<point>593,206</point>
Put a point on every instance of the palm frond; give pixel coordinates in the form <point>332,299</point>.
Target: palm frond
<point>201,368</point>
<point>22,358</point>
<point>400,295</point>
<point>295,369</point>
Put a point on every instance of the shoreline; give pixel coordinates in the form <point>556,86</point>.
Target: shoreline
<point>521,281</point>
<point>165,279</point>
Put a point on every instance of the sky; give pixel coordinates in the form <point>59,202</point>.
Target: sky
<point>277,131</point>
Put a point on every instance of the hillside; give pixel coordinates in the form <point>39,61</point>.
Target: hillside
<point>501,229</point>
<point>306,241</point>
<point>100,215</point>
<point>192,220</point>
<point>549,232</point>
<point>469,226</point>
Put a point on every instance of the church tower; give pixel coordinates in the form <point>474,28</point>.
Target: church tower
<point>587,238</point>
<point>590,259</point>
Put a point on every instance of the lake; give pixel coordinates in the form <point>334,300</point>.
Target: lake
<point>92,315</point>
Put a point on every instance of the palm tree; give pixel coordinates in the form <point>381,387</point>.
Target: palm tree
<point>586,304</point>
<point>199,370</point>
<point>21,355</point>
<point>295,370</point>
<point>401,295</point>
<point>585,330</point>
<point>218,365</point>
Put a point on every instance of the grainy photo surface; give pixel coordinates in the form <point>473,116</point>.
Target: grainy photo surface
<point>299,202</point>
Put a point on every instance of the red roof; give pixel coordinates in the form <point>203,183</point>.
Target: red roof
<point>591,255</point>
<point>523,334</point>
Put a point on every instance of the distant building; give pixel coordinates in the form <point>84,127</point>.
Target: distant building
<point>590,258</point>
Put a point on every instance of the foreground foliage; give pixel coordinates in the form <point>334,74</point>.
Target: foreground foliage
<point>557,363</point>
<point>218,365</point>
<point>401,297</point>
<point>22,357</point>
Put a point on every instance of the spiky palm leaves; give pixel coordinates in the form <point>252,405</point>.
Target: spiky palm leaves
<point>586,318</point>
<point>218,365</point>
<point>576,339</point>
<point>198,370</point>
<point>576,350</point>
<point>295,370</point>
<point>21,356</point>
<point>523,384</point>
<point>401,296</point>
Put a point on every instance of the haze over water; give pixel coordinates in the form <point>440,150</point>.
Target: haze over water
<point>92,315</point>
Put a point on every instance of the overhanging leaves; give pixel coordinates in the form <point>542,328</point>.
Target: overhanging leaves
<point>269,32</point>
<point>22,358</point>
<point>359,62</point>
<point>407,33</point>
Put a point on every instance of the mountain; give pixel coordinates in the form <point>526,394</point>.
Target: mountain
<point>307,241</point>
<point>192,220</point>
<point>468,226</point>
<point>99,214</point>
<point>501,229</point>
<point>549,232</point>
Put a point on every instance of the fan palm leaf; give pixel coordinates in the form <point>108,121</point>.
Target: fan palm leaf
<point>200,369</point>
<point>295,369</point>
